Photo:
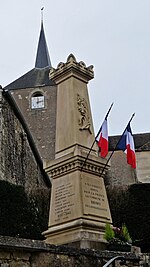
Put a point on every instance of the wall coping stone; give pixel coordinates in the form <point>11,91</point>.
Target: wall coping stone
<point>7,242</point>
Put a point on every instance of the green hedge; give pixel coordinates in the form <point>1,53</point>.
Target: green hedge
<point>19,216</point>
<point>132,206</point>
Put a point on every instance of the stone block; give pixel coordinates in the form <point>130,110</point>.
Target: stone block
<point>5,255</point>
<point>19,255</point>
<point>19,264</point>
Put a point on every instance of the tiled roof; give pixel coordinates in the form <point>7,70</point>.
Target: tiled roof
<point>145,147</point>
<point>33,78</point>
<point>141,141</point>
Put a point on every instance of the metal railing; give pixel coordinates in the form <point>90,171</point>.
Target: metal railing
<point>112,261</point>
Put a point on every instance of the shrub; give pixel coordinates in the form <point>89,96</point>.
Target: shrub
<point>109,233</point>
<point>116,234</point>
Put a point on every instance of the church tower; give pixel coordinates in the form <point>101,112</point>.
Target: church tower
<point>35,95</point>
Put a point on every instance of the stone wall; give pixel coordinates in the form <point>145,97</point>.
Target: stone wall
<point>145,259</point>
<point>17,162</point>
<point>143,166</point>
<point>31,253</point>
<point>120,172</point>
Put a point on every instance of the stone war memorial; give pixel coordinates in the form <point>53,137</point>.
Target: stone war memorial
<point>79,207</point>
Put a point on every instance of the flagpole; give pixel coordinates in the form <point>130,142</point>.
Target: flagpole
<point>95,138</point>
<point>116,146</point>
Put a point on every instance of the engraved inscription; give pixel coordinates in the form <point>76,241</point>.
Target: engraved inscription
<point>64,202</point>
<point>94,197</point>
<point>93,194</point>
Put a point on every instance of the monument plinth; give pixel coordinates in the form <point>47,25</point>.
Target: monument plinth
<point>79,207</point>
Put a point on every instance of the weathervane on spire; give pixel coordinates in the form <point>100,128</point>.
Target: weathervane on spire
<point>42,14</point>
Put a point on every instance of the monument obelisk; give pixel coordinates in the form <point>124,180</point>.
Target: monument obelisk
<point>79,207</point>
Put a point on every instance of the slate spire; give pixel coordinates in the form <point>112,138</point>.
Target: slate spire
<point>42,56</point>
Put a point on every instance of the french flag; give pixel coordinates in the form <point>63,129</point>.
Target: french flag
<point>102,139</point>
<point>126,143</point>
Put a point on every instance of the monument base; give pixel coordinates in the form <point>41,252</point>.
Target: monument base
<point>80,233</point>
<point>87,244</point>
<point>79,207</point>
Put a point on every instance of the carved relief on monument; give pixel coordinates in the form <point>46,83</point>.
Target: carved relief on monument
<point>84,118</point>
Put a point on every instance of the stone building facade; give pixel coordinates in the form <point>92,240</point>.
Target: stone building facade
<point>121,173</point>
<point>41,121</point>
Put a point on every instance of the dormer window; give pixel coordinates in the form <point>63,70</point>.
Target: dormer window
<point>37,101</point>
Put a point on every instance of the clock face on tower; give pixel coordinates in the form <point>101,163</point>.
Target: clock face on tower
<point>37,101</point>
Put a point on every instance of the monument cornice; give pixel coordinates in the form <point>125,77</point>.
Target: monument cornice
<point>71,68</point>
<point>61,167</point>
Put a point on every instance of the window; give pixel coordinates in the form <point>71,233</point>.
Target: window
<point>37,101</point>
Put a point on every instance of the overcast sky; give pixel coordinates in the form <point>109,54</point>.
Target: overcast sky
<point>112,35</point>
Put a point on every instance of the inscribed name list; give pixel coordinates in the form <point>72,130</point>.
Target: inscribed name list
<point>64,200</point>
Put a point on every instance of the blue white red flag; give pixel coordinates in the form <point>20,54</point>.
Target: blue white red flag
<point>126,143</point>
<point>102,139</point>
